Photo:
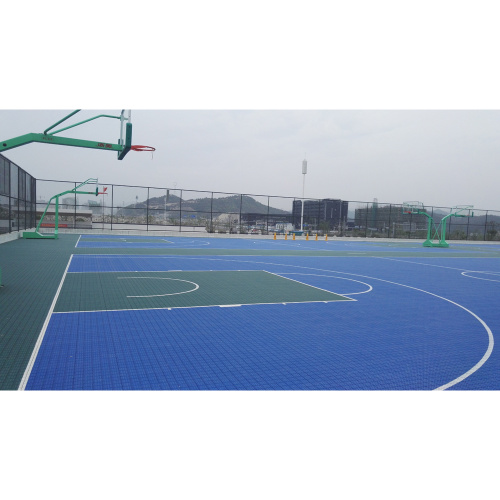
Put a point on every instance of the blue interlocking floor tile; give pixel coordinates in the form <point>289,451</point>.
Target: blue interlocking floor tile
<point>333,346</point>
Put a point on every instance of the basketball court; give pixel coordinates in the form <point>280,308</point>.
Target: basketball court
<point>143,312</point>
<point>185,313</point>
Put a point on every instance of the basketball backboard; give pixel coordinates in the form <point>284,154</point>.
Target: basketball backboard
<point>413,207</point>
<point>125,132</point>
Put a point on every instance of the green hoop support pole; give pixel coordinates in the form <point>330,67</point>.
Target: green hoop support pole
<point>440,229</point>
<point>36,234</point>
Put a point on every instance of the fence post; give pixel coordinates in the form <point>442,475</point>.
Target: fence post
<point>112,204</point>
<point>33,202</point>
<point>180,212</point>
<point>366,221</point>
<point>147,211</point>
<point>211,227</point>
<point>10,208</point>
<point>239,222</point>
<point>389,222</point>
<point>267,218</point>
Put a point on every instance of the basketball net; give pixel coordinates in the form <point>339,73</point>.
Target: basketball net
<point>143,148</point>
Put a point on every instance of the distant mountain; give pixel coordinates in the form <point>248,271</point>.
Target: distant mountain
<point>228,204</point>
<point>437,213</point>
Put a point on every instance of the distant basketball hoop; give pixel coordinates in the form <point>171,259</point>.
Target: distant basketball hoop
<point>436,231</point>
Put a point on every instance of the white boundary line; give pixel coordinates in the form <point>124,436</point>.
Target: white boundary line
<point>29,367</point>
<point>419,263</point>
<point>179,256</point>
<point>306,284</point>
<point>464,273</point>
<point>177,271</point>
<point>349,299</point>
<point>169,308</point>
<point>184,246</point>
<point>370,288</point>
<point>435,265</point>
<point>78,241</point>
<point>481,362</point>
<point>455,381</point>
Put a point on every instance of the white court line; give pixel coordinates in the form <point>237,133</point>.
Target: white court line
<point>174,271</point>
<point>464,273</point>
<point>39,341</point>
<point>169,308</point>
<point>455,381</point>
<point>76,245</point>
<point>211,305</point>
<point>181,245</point>
<point>445,386</point>
<point>370,288</point>
<point>426,264</point>
<point>291,244</point>
<point>481,362</point>
<point>306,284</point>
<point>196,286</point>
<point>180,256</point>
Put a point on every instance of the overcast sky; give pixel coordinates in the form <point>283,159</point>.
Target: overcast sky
<point>442,158</point>
<point>384,101</point>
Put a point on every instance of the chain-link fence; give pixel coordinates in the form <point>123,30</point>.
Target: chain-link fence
<point>17,197</point>
<point>182,210</point>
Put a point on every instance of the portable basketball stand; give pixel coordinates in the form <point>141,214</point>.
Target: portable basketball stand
<point>36,234</point>
<point>123,146</point>
<point>436,232</point>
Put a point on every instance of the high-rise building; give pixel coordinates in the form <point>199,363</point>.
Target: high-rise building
<point>326,212</point>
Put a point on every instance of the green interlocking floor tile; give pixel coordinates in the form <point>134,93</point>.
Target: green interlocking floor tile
<point>31,273</point>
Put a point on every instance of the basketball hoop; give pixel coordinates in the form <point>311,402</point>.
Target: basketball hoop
<point>143,148</point>
<point>413,207</point>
